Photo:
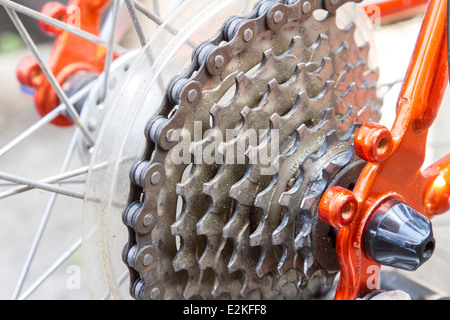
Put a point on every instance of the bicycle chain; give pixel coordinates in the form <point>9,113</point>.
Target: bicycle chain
<point>223,253</point>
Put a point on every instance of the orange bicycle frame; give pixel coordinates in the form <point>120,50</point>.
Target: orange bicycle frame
<point>395,158</point>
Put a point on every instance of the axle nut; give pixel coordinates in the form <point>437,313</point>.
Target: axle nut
<point>398,236</point>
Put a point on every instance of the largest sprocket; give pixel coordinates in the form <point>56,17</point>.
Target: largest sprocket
<point>223,200</point>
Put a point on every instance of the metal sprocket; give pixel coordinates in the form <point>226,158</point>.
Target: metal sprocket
<point>246,228</point>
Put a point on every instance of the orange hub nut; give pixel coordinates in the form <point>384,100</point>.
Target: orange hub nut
<point>70,53</point>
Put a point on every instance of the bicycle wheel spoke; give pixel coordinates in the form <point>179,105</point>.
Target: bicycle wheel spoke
<point>159,21</point>
<point>52,269</point>
<point>8,4</point>
<point>61,182</point>
<point>32,129</point>
<point>156,6</point>
<point>53,179</point>
<point>110,52</point>
<point>136,23</point>
<point>50,180</point>
<point>148,13</point>
<point>49,75</point>
<point>34,246</point>
<point>46,216</point>
<point>40,185</point>
<point>44,120</point>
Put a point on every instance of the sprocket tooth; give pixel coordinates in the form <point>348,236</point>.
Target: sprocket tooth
<point>252,116</point>
<point>225,116</point>
<point>245,190</point>
<point>297,48</point>
<point>183,261</point>
<point>352,74</point>
<point>238,230</point>
<point>371,77</point>
<point>245,257</point>
<point>316,188</point>
<point>302,240</point>
<point>359,72</point>
<point>320,48</point>
<point>210,224</point>
<point>289,260</point>
<point>363,93</point>
<point>306,109</point>
<point>369,112</point>
<point>216,257</point>
<point>237,222</point>
<point>262,202</point>
<point>310,266</point>
<point>364,49</point>
<point>197,285</point>
<point>298,111</point>
<point>314,53</point>
<point>349,96</point>
<point>286,284</point>
<point>289,199</point>
<point>340,56</point>
<point>281,235</point>
<point>271,64</point>
<point>267,262</point>
<point>318,75</point>
<point>209,256</point>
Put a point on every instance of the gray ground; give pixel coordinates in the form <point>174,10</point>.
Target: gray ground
<point>42,155</point>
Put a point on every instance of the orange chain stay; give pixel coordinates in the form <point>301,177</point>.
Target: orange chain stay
<point>395,158</point>
<point>70,53</point>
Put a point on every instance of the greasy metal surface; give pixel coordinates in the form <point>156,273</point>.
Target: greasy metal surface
<point>245,230</point>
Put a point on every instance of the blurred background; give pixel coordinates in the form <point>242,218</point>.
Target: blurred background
<point>394,42</point>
